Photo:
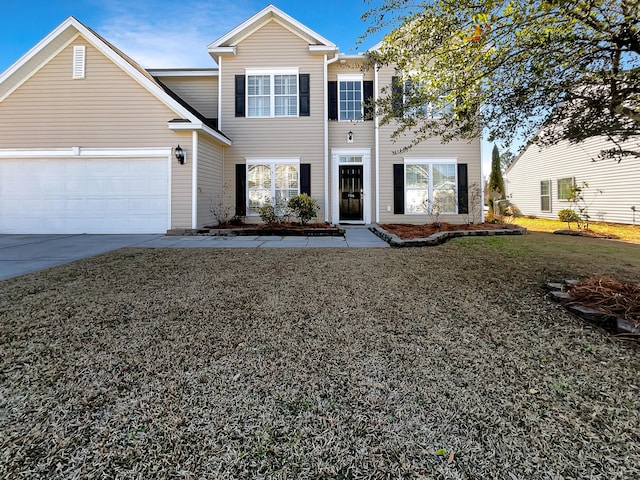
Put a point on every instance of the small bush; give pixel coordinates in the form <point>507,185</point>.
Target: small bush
<point>268,214</point>
<point>568,215</point>
<point>303,207</point>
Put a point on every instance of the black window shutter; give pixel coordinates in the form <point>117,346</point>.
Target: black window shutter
<point>305,107</point>
<point>398,188</point>
<point>367,94</point>
<point>305,178</point>
<point>333,100</point>
<point>240,82</point>
<point>241,189</point>
<point>396,96</point>
<point>463,189</point>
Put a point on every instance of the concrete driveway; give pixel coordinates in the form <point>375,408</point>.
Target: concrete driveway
<point>20,254</point>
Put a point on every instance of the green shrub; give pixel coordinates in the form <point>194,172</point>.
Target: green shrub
<point>303,207</point>
<point>268,214</point>
<point>568,215</point>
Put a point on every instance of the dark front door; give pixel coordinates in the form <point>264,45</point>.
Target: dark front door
<point>351,192</point>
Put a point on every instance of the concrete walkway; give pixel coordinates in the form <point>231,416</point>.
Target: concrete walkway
<point>355,237</point>
<point>20,254</point>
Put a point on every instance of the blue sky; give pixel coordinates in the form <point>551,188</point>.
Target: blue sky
<point>175,33</point>
<point>170,33</point>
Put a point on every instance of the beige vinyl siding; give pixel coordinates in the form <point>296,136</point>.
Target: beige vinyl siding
<point>464,151</point>
<point>363,131</point>
<point>272,47</point>
<point>181,184</point>
<point>199,92</point>
<point>619,182</point>
<point>210,186</point>
<point>107,108</point>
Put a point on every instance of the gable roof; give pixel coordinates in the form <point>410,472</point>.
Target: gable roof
<point>227,43</point>
<point>50,46</point>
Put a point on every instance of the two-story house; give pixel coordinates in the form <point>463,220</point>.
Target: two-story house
<point>90,142</point>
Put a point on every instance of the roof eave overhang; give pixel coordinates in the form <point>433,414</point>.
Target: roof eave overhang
<point>181,126</point>
<point>222,51</point>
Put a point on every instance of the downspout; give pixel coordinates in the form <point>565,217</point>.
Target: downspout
<point>194,179</point>
<point>327,62</point>
<point>219,93</point>
<point>481,185</point>
<point>377,142</point>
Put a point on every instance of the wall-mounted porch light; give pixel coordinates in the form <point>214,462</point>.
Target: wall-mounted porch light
<point>350,137</point>
<point>179,154</point>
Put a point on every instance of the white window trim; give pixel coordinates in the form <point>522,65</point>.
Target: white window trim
<point>550,195</point>
<point>573,182</point>
<point>352,78</point>
<point>430,162</point>
<point>429,105</point>
<point>272,96</point>
<point>272,162</point>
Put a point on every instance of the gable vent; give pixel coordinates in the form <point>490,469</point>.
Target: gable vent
<point>78,61</point>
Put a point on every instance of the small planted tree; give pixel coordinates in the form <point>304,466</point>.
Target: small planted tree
<point>579,202</point>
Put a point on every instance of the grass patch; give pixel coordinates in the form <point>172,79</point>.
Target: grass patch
<point>627,233</point>
<point>444,362</point>
<point>560,255</point>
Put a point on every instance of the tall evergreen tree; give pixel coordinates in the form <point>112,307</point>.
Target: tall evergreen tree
<point>496,182</point>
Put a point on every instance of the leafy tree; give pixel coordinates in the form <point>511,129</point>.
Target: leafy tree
<point>506,158</point>
<point>512,66</point>
<point>496,182</point>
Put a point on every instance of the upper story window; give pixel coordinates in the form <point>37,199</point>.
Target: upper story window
<point>407,101</point>
<point>350,97</point>
<point>272,93</point>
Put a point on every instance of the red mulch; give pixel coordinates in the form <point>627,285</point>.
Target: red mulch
<point>406,232</point>
<point>275,226</point>
<point>610,296</point>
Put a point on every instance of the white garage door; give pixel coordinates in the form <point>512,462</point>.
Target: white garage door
<point>84,195</point>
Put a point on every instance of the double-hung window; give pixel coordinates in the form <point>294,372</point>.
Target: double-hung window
<point>350,97</point>
<point>272,93</point>
<point>410,100</point>
<point>430,186</point>
<point>274,181</point>
<point>545,195</point>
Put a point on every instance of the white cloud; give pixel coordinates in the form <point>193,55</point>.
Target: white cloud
<point>170,34</point>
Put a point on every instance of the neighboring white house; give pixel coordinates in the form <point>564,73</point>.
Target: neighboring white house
<point>537,182</point>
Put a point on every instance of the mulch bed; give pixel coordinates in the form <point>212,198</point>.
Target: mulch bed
<point>610,296</point>
<point>586,233</point>
<point>278,229</point>
<point>407,231</point>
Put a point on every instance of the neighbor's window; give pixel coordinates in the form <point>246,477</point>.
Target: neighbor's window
<point>564,187</point>
<point>545,195</point>
<point>271,181</point>
<point>350,97</point>
<point>430,185</point>
<point>272,94</point>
